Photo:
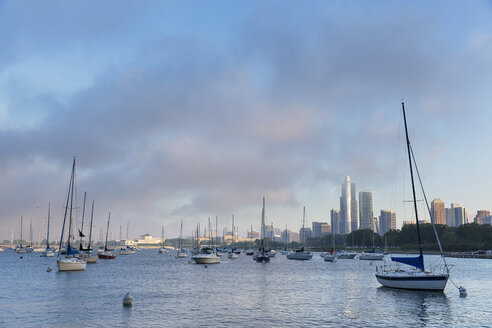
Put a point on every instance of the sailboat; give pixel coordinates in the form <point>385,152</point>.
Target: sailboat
<point>250,251</point>
<point>107,254</point>
<point>417,277</point>
<point>163,249</point>
<point>206,255</point>
<point>261,255</point>
<point>48,252</point>
<point>331,256</point>
<point>232,255</point>
<point>371,255</point>
<point>181,252</point>
<point>301,253</point>
<point>272,252</point>
<point>21,249</point>
<point>69,262</point>
<point>87,253</point>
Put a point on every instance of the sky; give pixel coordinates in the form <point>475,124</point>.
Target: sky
<point>184,110</point>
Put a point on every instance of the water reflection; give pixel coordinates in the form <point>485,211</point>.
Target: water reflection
<point>423,306</point>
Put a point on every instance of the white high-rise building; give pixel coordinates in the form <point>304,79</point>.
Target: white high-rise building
<point>365,210</point>
<point>456,215</point>
<point>348,207</point>
<point>335,221</point>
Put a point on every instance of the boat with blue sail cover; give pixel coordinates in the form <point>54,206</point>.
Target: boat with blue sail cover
<point>70,261</point>
<point>416,277</point>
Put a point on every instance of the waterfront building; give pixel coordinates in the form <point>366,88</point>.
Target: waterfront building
<point>480,215</point>
<point>285,236</point>
<point>487,220</point>
<point>387,221</point>
<point>320,229</point>
<point>438,211</point>
<point>145,240</point>
<point>365,210</point>
<point>348,207</point>
<point>335,221</point>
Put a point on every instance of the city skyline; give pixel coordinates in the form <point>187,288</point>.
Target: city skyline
<point>176,116</point>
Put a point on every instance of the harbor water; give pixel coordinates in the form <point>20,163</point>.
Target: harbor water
<point>170,292</point>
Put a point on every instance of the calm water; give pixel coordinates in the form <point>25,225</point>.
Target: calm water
<point>236,293</point>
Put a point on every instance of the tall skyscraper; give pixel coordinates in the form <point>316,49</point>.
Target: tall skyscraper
<point>365,210</point>
<point>335,221</point>
<point>438,211</point>
<point>387,221</point>
<point>348,207</point>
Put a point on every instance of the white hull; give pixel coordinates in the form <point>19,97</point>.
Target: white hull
<point>330,258</point>
<point>91,258</point>
<point>206,259</point>
<point>371,257</point>
<point>412,280</point>
<point>300,256</point>
<point>21,250</point>
<point>182,255</point>
<point>232,256</point>
<point>163,251</point>
<point>346,256</point>
<point>71,264</point>
<point>47,254</point>
<point>284,252</point>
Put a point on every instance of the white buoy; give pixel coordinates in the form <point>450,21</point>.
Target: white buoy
<point>127,300</point>
<point>463,292</point>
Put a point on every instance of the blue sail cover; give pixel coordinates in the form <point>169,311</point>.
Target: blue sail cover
<point>417,262</point>
<point>71,251</point>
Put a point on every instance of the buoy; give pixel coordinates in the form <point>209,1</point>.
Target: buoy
<point>127,300</point>
<point>206,266</point>
<point>49,269</point>
<point>462,291</point>
<point>21,257</point>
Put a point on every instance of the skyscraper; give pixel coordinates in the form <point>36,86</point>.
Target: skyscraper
<point>456,215</point>
<point>365,210</point>
<point>387,221</point>
<point>438,212</point>
<point>348,207</point>
<point>335,221</point>
<point>480,215</point>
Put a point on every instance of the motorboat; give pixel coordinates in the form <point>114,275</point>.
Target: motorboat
<point>206,256</point>
<point>299,254</point>
<point>344,255</point>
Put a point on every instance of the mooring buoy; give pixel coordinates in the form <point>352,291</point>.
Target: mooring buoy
<point>128,300</point>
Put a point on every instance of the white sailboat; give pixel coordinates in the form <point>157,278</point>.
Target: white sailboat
<point>181,252</point>
<point>232,255</point>
<point>331,256</point>
<point>21,249</point>
<point>416,277</point>
<point>107,254</point>
<point>301,253</point>
<point>87,253</point>
<point>261,255</point>
<point>371,255</point>
<point>162,249</point>
<point>48,252</point>
<point>69,262</point>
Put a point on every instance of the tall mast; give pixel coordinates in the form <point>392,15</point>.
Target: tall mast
<point>66,209</point>
<point>90,230</point>
<point>216,231</point>
<point>232,236</point>
<point>127,228</point>
<point>411,176</point>
<point>209,242</point>
<point>71,207</point>
<point>82,227</point>
<point>162,237</point>
<point>303,231</point>
<point>263,228</point>
<point>48,232</point>
<point>30,232</point>
<point>180,233</point>
<point>107,231</point>
<point>20,243</point>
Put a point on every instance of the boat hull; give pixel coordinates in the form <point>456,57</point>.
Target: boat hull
<point>261,258</point>
<point>371,257</point>
<point>206,259</point>
<point>348,256</point>
<point>330,258</point>
<point>182,255</point>
<point>232,256</point>
<point>91,259</point>
<point>107,256</point>
<point>21,250</point>
<point>299,256</point>
<point>432,282</point>
<point>71,264</point>
<point>47,254</point>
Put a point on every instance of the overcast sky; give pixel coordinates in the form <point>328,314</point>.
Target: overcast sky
<point>188,109</point>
